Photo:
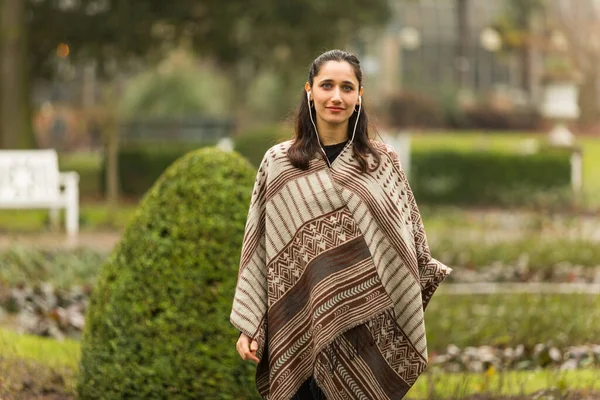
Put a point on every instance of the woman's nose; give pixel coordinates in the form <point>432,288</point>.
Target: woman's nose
<point>336,95</point>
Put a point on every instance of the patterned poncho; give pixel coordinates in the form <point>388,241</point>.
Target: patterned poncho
<point>335,275</point>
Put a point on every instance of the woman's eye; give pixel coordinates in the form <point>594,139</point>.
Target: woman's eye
<point>348,88</point>
<point>327,85</point>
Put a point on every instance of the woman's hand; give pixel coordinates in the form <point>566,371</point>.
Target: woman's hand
<point>247,348</point>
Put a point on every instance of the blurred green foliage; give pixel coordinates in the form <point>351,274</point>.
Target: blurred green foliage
<point>460,176</point>
<point>254,144</point>
<point>511,319</point>
<point>139,170</point>
<point>22,266</point>
<point>180,86</point>
<point>88,166</point>
<point>531,253</point>
<point>64,268</point>
<point>485,178</point>
<point>157,325</point>
<point>140,165</point>
<point>267,34</point>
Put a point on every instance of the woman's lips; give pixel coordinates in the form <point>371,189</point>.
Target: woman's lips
<point>335,109</point>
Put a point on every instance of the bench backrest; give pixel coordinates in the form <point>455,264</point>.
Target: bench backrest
<point>28,176</point>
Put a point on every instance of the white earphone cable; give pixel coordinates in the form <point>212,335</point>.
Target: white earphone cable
<point>317,132</point>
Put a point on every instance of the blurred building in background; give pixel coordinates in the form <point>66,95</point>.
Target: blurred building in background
<point>433,46</point>
<point>477,53</point>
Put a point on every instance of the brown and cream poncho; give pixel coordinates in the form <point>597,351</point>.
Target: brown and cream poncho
<point>335,274</point>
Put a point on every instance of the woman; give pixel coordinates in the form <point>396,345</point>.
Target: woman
<point>335,271</point>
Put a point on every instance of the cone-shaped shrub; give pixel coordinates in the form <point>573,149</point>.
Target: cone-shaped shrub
<point>158,320</point>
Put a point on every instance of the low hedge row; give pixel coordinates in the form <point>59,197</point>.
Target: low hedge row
<point>253,144</point>
<point>487,178</point>
<point>463,178</point>
<point>437,177</point>
<point>141,165</point>
<point>89,169</point>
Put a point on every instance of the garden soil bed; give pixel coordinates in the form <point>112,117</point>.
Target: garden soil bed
<point>20,380</point>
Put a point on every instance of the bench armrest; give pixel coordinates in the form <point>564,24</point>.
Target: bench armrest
<point>68,181</point>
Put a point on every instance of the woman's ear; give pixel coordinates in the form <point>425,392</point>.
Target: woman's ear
<point>360,93</point>
<point>307,89</point>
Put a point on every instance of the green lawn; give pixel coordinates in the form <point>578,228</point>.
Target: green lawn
<point>48,352</point>
<point>62,357</point>
<point>32,367</point>
<point>92,217</point>
<point>436,385</point>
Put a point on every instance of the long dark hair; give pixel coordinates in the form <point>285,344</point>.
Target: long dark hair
<point>306,145</point>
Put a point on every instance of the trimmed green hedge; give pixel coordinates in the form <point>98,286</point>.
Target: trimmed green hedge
<point>158,321</point>
<point>141,165</point>
<point>460,177</point>
<point>437,177</point>
<point>254,144</point>
<point>88,166</point>
<point>486,178</point>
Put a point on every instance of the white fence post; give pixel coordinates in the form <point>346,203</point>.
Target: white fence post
<point>401,143</point>
<point>71,182</point>
<point>576,171</point>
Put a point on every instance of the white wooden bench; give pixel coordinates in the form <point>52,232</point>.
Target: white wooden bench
<point>30,179</point>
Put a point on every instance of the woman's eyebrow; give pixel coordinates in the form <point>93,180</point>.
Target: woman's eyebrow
<point>329,80</point>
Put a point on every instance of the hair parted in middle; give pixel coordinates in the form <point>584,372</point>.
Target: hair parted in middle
<point>306,143</point>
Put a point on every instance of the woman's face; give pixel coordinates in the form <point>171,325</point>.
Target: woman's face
<point>335,92</point>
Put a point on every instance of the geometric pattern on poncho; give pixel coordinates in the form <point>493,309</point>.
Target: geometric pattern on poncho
<point>335,274</point>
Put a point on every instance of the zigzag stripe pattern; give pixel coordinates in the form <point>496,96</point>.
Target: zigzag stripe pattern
<point>311,240</point>
<point>361,284</point>
<point>397,350</point>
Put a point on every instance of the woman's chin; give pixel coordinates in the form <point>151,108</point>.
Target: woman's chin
<point>335,119</point>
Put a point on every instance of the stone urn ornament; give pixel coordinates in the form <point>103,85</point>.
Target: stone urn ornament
<point>560,105</point>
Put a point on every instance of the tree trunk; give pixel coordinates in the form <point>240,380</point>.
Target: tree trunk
<point>588,97</point>
<point>463,58</point>
<point>525,59</point>
<point>15,122</point>
<point>525,51</point>
<point>112,168</point>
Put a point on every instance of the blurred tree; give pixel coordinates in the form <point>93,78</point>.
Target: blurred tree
<point>178,87</point>
<point>463,58</point>
<point>579,21</point>
<point>515,27</point>
<point>15,126</point>
<point>243,37</point>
